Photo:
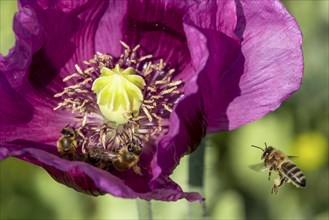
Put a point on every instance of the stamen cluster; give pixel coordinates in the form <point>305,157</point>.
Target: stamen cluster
<point>160,94</point>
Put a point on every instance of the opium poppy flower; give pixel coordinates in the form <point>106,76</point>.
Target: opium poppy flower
<point>107,96</point>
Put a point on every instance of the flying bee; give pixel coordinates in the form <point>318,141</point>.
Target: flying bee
<point>67,143</point>
<point>127,157</point>
<point>276,160</point>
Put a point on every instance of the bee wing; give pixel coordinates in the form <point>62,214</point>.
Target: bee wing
<point>259,167</point>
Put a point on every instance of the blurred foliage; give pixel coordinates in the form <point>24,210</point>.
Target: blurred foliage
<point>7,37</point>
<point>232,190</point>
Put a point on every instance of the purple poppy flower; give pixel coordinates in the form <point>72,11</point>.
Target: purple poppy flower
<point>135,85</point>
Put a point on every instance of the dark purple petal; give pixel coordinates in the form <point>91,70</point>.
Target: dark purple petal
<point>94,181</point>
<point>51,36</point>
<point>188,125</point>
<point>15,112</point>
<point>155,25</point>
<point>188,121</point>
<point>223,52</point>
<point>163,38</point>
<point>69,28</point>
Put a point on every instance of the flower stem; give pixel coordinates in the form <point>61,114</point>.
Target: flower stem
<point>144,209</point>
<point>196,174</point>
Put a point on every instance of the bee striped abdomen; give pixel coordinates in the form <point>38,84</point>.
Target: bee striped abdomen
<point>294,173</point>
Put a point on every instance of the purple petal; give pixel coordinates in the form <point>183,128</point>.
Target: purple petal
<point>243,83</point>
<point>223,52</point>
<point>142,22</point>
<point>187,122</point>
<point>273,65</point>
<point>219,15</point>
<point>69,28</point>
<point>94,181</point>
<point>50,38</point>
<point>109,33</point>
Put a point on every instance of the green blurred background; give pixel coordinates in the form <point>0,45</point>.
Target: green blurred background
<point>232,190</point>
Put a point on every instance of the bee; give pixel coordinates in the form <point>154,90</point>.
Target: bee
<point>128,157</point>
<point>101,158</point>
<point>67,143</point>
<point>276,160</point>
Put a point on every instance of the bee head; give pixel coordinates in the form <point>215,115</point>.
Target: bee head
<point>133,148</point>
<point>68,132</point>
<point>94,155</point>
<point>266,151</point>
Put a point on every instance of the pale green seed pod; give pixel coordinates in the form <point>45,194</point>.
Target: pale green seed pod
<point>119,93</point>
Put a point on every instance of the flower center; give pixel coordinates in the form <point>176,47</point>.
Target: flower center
<point>119,92</point>
<point>117,103</point>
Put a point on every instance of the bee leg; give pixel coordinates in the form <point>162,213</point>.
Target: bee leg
<point>283,181</point>
<point>274,189</point>
<point>269,175</point>
<point>276,185</point>
<point>270,171</point>
<point>273,167</point>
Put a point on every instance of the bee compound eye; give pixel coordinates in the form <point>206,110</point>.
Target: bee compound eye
<point>64,131</point>
<point>130,148</point>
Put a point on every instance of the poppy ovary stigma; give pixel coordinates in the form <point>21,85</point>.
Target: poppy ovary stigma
<point>119,93</point>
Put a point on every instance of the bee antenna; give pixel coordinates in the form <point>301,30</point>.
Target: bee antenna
<point>258,147</point>
<point>265,145</point>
